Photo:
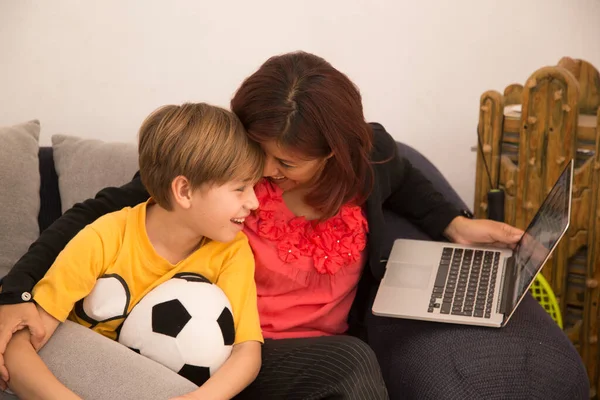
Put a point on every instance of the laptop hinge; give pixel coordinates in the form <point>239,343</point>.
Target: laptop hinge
<point>508,287</point>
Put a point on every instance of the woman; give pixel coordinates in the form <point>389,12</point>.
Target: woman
<point>317,239</point>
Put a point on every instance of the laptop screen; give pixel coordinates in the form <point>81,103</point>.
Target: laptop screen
<point>543,233</point>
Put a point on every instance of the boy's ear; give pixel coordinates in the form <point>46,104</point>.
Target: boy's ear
<point>182,191</point>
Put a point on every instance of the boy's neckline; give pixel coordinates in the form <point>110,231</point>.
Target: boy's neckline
<point>157,234</point>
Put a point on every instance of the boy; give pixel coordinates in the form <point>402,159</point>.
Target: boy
<point>199,169</point>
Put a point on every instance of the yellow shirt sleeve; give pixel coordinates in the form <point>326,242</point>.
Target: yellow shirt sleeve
<point>237,282</point>
<point>72,276</point>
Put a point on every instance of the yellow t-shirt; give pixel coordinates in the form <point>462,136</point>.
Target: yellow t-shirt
<point>117,246</point>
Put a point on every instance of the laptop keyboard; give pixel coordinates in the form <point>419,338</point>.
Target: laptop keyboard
<point>465,282</point>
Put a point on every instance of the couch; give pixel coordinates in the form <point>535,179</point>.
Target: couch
<point>63,181</point>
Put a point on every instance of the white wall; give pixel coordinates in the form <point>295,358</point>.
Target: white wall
<point>96,69</point>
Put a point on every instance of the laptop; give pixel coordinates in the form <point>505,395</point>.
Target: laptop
<point>472,285</point>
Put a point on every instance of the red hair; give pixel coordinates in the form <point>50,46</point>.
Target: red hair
<point>304,104</point>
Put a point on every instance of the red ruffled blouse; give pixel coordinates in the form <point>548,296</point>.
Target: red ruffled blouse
<point>306,273</point>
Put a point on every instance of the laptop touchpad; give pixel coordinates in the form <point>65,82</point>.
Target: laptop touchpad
<point>408,276</point>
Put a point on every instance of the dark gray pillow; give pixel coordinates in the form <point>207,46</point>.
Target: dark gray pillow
<point>19,191</point>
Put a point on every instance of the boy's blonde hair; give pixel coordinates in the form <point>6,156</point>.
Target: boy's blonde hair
<point>204,143</point>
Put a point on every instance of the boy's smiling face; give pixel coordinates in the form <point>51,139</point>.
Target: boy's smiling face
<point>218,212</point>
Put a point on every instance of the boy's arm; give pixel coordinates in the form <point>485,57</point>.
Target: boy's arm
<point>239,371</point>
<point>29,376</point>
<point>76,270</point>
<point>236,279</point>
<point>70,278</point>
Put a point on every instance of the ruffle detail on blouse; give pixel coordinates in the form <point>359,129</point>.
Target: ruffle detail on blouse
<point>333,244</point>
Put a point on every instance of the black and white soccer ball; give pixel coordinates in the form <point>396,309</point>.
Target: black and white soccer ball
<point>185,324</point>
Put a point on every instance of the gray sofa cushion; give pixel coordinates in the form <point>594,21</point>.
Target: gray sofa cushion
<point>85,166</point>
<point>19,191</point>
<point>76,354</point>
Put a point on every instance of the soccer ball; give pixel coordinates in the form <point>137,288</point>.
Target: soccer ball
<point>185,324</point>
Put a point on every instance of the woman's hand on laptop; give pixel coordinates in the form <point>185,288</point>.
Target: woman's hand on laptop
<point>482,231</point>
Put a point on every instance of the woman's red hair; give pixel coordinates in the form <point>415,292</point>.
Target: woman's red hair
<point>304,104</point>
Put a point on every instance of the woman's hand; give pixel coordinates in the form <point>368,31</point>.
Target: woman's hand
<point>482,231</point>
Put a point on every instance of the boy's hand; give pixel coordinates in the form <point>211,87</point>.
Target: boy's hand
<point>14,317</point>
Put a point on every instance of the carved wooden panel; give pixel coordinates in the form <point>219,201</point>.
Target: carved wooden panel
<point>589,83</point>
<point>489,131</point>
<point>546,143</point>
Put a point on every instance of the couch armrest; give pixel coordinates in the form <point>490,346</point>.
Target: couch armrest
<point>96,367</point>
<point>399,227</point>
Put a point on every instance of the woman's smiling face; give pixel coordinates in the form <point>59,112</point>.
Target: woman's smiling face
<point>288,169</point>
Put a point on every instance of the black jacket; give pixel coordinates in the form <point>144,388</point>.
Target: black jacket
<point>397,186</point>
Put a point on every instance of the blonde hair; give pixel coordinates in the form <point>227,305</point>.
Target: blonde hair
<point>203,143</point>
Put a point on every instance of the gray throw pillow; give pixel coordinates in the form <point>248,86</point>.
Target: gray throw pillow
<point>86,166</point>
<point>19,191</point>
